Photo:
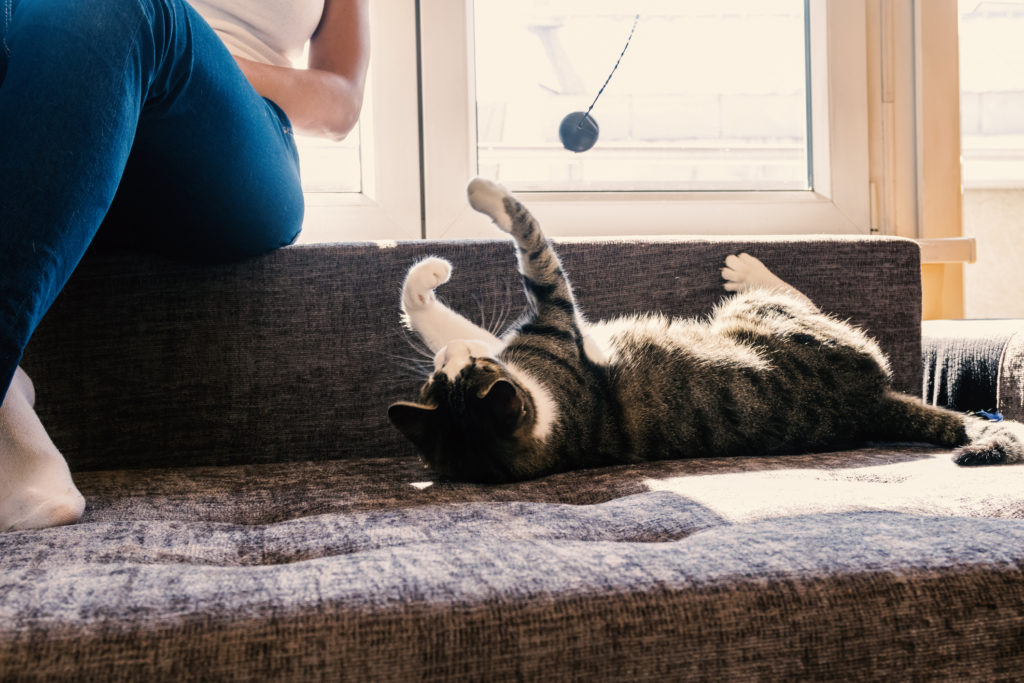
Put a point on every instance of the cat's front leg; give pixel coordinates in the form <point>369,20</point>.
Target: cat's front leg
<point>437,324</point>
<point>744,272</point>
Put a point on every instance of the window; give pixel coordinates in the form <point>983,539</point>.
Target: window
<point>329,166</point>
<point>836,199</point>
<point>368,186</point>
<point>742,116</point>
<point>992,144</point>
<point>708,95</point>
<point>992,93</point>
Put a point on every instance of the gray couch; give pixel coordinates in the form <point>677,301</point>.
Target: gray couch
<point>252,515</point>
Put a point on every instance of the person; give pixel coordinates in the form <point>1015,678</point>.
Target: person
<point>148,124</point>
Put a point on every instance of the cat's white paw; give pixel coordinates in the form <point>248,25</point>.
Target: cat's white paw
<point>488,197</point>
<point>421,281</point>
<point>743,272</point>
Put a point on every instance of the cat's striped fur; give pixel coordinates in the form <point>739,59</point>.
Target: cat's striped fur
<point>766,373</point>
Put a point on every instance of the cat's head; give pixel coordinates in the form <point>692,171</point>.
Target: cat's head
<point>473,420</point>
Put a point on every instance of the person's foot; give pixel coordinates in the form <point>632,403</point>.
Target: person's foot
<point>36,490</point>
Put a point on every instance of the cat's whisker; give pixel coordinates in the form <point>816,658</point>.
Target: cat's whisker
<point>481,315</point>
<point>493,317</point>
<point>418,346</point>
<point>499,313</point>
<point>417,360</point>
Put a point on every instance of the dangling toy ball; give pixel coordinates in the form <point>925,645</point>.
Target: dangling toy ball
<point>578,131</point>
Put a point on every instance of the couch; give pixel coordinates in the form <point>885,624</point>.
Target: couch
<point>252,515</point>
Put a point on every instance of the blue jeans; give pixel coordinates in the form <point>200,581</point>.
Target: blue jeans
<point>128,121</point>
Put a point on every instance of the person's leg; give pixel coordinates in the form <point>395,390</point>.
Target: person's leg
<point>214,179</point>
<point>90,87</point>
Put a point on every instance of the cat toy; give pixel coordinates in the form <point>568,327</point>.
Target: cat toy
<point>579,130</point>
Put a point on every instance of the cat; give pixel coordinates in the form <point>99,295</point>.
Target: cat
<point>767,372</point>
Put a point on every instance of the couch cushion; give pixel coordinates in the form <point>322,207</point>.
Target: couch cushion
<point>885,563</point>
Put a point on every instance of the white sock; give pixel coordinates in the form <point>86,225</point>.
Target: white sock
<point>36,490</point>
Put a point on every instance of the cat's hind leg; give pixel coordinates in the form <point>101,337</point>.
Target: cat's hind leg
<point>901,417</point>
<point>977,441</point>
<point>743,272</point>
<point>543,277</point>
<point>488,197</point>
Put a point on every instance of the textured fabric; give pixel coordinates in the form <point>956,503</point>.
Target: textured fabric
<point>287,534</point>
<point>1011,378</point>
<point>296,356</point>
<point>358,570</point>
<point>972,365</point>
<point>133,106</point>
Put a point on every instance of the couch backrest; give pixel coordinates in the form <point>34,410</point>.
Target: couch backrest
<point>144,362</point>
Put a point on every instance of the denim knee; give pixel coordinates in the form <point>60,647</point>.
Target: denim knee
<point>257,233</point>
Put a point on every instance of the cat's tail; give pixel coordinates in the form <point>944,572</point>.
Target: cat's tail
<point>976,441</point>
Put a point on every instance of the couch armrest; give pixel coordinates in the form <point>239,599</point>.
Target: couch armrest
<point>972,365</point>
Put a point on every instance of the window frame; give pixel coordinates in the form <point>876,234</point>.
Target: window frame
<point>838,203</point>
<point>388,205</point>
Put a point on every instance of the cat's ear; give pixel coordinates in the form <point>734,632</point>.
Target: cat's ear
<point>416,421</point>
<point>505,403</point>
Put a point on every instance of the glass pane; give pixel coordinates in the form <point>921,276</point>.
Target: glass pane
<point>709,95</point>
<point>328,166</point>
<point>992,149</point>
<point>992,92</point>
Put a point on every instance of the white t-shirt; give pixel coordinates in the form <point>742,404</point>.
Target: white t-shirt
<point>267,31</point>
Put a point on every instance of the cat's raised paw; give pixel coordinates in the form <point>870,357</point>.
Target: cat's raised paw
<point>488,197</point>
<point>421,281</point>
<point>743,271</point>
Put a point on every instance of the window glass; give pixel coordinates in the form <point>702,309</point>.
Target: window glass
<point>328,166</point>
<point>992,92</point>
<point>992,149</point>
<point>709,95</point>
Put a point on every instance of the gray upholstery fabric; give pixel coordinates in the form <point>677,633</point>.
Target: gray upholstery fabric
<point>297,355</point>
<point>973,365</point>
<point>251,515</point>
<point>871,564</point>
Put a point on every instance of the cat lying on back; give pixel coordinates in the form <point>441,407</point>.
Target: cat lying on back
<point>767,373</point>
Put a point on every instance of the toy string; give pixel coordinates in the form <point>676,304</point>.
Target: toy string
<point>636,19</point>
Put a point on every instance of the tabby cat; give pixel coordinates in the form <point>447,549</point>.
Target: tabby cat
<point>766,373</point>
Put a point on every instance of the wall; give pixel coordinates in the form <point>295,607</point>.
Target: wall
<point>994,285</point>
